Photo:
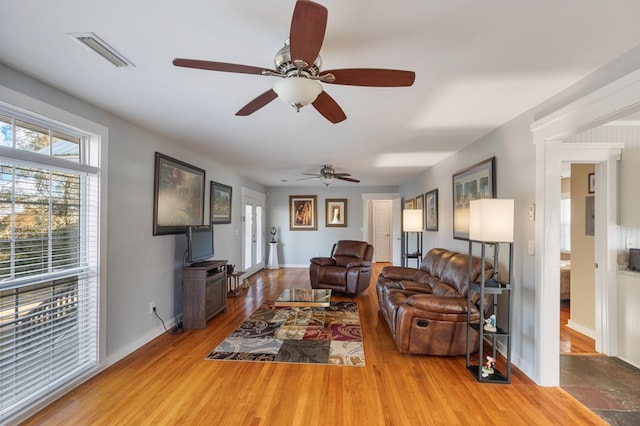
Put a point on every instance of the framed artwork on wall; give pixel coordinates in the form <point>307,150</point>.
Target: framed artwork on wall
<point>431,210</point>
<point>477,181</point>
<point>410,203</point>
<point>220,203</point>
<point>592,183</point>
<point>303,213</point>
<point>419,204</point>
<point>336,212</point>
<point>178,196</point>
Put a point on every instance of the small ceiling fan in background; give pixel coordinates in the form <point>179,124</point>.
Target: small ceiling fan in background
<point>298,65</point>
<point>328,174</point>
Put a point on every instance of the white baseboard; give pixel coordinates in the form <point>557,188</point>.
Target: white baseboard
<point>589,332</point>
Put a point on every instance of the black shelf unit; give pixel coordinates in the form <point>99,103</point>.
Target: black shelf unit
<point>417,254</point>
<point>493,288</point>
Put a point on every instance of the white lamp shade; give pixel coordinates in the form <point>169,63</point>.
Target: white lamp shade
<point>412,220</point>
<point>491,220</point>
<point>297,91</point>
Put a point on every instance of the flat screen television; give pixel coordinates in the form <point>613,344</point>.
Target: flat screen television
<point>199,243</point>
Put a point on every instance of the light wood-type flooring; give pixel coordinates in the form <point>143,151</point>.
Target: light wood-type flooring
<point>169,382</point>
<point>572,342</point>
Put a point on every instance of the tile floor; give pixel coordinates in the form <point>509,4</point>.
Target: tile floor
<point>606,385</point>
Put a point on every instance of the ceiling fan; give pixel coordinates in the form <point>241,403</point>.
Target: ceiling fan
<point>298,65</point>
<point>328,174</point>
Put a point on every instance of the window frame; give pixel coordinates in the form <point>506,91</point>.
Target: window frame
<point>92,160</point>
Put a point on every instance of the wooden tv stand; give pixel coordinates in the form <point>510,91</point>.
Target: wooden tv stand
<point>204,292</point>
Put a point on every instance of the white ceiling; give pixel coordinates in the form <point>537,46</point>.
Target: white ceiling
<point>478,64</point>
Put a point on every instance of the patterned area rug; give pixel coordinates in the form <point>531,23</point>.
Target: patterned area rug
<point>297,335</point>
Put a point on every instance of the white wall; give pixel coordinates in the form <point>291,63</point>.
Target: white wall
<point>141,267</point>
<point>295,248</point>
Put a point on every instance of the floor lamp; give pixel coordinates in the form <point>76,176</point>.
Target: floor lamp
<point>412,222</point>
<point>491,223</point>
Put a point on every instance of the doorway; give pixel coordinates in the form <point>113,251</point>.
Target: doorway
<point>253,232</point>
<point>369,218</point>
<point>578,297</point>
<point>548,134</point>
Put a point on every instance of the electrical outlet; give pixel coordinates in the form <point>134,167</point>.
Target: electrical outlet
<point>152,306</point>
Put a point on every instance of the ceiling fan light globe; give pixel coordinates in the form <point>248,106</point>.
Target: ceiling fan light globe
<point>327,180</point>
<point>297,91</point>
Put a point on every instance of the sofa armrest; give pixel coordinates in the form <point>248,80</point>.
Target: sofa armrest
<point>323,261</point>
<point>444,305</point>
<point>415,287</point>
<point>399,273</point>
<point>358,264</point>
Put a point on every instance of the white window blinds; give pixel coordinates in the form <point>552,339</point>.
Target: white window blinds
<point>48,268</point>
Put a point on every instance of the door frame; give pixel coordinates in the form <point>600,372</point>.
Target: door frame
<point>613,101</point>
<point>396,214</point>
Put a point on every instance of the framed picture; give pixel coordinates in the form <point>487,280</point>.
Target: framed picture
<point>592,183</point>
<point>336,212</point>
<point>419,204</point>
<point>410,204</point>
<point>178,196</point>
<point>431,210</point>
<point>477,181</point>
<point>220,203</point>
<point>303,213</point>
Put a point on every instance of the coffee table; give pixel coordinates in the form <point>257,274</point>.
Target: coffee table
<point>308,308</point>
<point>304,297</point>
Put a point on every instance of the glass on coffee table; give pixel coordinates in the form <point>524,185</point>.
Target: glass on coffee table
<point>303,297</point>
<point>307,309</point>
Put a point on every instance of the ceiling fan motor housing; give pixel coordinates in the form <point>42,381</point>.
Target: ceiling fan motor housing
<point>285,65</point>
<point>327,171</point>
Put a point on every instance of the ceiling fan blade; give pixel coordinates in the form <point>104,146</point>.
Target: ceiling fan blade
<point>314,177</point>
<point>372,77</point>
<point>257,103</point>
<point>219,66</point>
<point>312,174</point>
<point>329,108</point>
<point>341,174</point>
<point>306,34</point>
<point>348,179</point>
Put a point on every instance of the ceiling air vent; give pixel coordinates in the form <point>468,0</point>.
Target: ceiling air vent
<point>96,44</point>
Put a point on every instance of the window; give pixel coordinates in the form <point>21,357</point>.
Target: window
<point>48,260</point>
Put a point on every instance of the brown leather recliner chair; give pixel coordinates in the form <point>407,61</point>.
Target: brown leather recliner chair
<point>347,271</point>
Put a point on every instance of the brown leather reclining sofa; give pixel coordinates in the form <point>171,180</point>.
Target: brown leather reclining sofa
<point>426,308</point>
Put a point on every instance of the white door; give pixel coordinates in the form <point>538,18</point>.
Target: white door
<point>382,230</point>
<point>252,231</point>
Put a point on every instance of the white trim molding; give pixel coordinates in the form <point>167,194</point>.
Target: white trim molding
<point>613,101</point>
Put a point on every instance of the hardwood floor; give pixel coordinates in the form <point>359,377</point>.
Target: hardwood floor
<point>168,381</point>
<point>572,342</point>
